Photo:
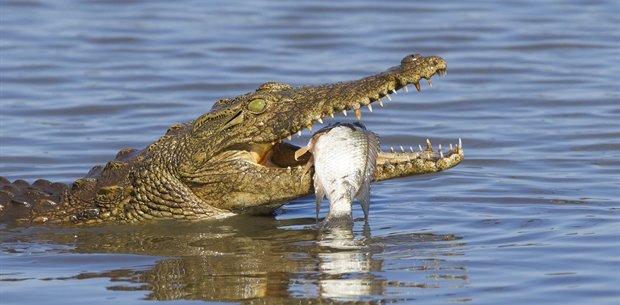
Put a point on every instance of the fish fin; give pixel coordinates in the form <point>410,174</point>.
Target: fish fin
<point>307,168</point>
<point>363,197</point>
<point>319,191</point>
<point>371,155</point>
<point>301,151</point>
<point>363,194</point>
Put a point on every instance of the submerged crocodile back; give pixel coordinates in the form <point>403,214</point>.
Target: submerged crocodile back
<point>88,198</point>
<point>21,200</point>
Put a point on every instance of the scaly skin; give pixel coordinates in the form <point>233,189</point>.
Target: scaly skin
<point>230,160</point>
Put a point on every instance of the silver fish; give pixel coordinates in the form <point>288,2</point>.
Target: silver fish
<point>344,157</point>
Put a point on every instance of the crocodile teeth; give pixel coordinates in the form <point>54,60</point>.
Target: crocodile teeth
<point>406,89</point>
<point>420,147</point>
<point>388,97</point>
<point>430,83</point>
<point>299,133</point>
<point>429,146</point>
<point>320,120</point>
<point>358,114</point>
<point>369,107</point>
<point>417,86</point>
<point>380,101</point>
<point>402,149</point>
<point>344,112</point>
<point>451,148</point>
<point>331,114</point>
<point>441,154</point>
<point>289,137</point>
<point>392,149</point>
<point>309,127</point>
<point>394,92</point>
<point>411,149</point>
<point>460,143</point>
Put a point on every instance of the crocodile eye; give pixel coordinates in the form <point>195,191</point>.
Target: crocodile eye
<point>257,105</point>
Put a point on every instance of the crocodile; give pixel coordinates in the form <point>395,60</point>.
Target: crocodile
<point>231,160</point>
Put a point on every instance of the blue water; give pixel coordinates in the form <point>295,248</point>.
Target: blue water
<point>531,215</point>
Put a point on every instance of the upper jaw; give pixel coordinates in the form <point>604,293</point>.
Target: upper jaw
<point>314,103</point>
<point>319,102</point>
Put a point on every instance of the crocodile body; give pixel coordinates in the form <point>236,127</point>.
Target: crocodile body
<point>231,160</point>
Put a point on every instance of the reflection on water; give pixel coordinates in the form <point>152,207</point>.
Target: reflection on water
<point>346,264</point>
<point>266,261</point>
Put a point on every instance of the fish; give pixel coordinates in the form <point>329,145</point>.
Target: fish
<point>344,156</point>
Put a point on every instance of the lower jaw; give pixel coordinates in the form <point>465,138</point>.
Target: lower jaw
<point>281,155</point>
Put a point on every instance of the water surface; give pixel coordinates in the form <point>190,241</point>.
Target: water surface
<point>531,215</point>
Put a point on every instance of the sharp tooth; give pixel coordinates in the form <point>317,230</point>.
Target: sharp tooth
<point>420,147</point>
<point>394,91</point>
<point>388,97</point>
<point>451,148</point>
<point>369,107</point>
<point>331,114</point>
<point>391,149</point>
<point>460,143</point>
<point>289,137</point>
<point>411,149</point>
<point>309,127</point>
<point>430,83</point>
<point>320,120</point>
<point>358,114</point>
<point>406,89</point>
<point>417,86</point>
<point>445,72</point>
<point>288,168</point>
<point>402,149</point>
<point>380,101</point>
<point>439,147</point>
<point>344,112</point>
<point>441,154</point>
<point>299,133</point>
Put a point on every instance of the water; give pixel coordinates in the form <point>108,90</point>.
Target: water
<point>531,216</point>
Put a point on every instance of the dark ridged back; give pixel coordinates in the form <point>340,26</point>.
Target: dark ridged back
<point>98,192</point>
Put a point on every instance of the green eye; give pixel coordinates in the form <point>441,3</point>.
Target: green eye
<point>257,105</point>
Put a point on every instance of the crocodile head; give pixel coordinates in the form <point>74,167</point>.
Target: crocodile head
<point>239,159</point>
